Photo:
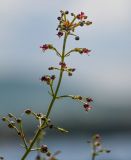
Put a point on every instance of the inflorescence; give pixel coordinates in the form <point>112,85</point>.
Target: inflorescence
<point>66,26</point>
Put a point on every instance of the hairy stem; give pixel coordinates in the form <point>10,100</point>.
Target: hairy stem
<point>51,103</point>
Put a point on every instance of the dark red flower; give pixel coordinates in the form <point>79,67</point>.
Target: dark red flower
<point>85,50</point>
<point>73,69</point>
<point>87,107</point>
<point>46,79</point>
<point>60,34</point>
<point>89,99</point>
<point>44,47</point>
<point>62,64</point>
<point>81,16</point>
<point>44,149</point>
<point>53,77</point>
<point>43,78</point>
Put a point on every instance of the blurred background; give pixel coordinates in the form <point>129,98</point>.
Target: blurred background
<point>104,75</point>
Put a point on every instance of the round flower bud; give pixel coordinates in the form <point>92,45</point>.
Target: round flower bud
<point>51,126</point>
<point>4,119</point>
<point>44,149</point>
<point>108,151</point>
<point>11,124</point>
<point>77,38</point>
<point>53,77</point>
<point>80,97</point>
<point>66,12</point>
<point>18,120</point>
<point>69,74</point>
<point>28,111</point>
<point>19,133</point>
<point>81,24</point>
<point>59,18</point>
<point>48,154</point>
<point>10,115</point>
<point>73,69</point>
<point>50,68</point>
<point>38,157</point>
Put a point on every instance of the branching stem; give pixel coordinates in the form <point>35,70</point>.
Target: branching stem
<point>28,150</point>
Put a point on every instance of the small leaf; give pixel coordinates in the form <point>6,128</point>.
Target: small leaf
<point>62,130</point>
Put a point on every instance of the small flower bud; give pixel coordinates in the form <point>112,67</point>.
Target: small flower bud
<point>51,126</point>
<point>89,99</point>
<point>69,74</point>
<point>108,151</point>
<point>43,78</point>
<point>79,97</point>
<point>28,111</point>
<point>85,17</point>
<point>18,120</point>
<point>66,12</point>
<point>73,69</point>
<point>53,77</point>
<point>39,115</point>
<point>81,24</point>
<point>77,38</point>
<point>72,14</point>
<point>4,119</point>
<point>59,18</point>
<point>97,144</point>
<point>44,149</point>
<point>48,154</point>
<point>60,34</point>
<point>38,157</point>
<point>87,107</point>
<point>11,124</point>
<point>62,64</point>
<point>10,115</point>
<point>19,133</point>
<point>88,23</point>
<point>50,68</point>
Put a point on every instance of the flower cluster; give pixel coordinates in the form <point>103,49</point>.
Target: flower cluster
<point>65,25</point>
<point>87,105</point>
<point>63,65</point>
<point>97,146</point>
<point>48,79</point>
<point>86,102</point>
<point>82,50</point>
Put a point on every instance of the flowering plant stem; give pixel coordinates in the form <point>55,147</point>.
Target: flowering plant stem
<point>28,150</point>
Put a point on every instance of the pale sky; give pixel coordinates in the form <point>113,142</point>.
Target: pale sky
<point>26,24</point>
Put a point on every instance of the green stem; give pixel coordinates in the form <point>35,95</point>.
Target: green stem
<point>23,135</point>
<point>51,103</point>
<point>94,153</point>
<point>51,88</point>
<point>93,157</point>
